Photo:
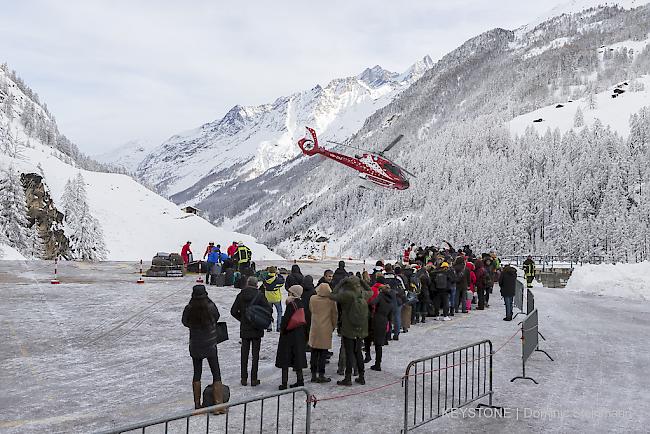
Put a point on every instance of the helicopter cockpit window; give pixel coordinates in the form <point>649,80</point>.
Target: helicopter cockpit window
<point>392,169</point>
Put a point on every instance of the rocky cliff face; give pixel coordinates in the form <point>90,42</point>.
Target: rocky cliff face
<point>48,220</point>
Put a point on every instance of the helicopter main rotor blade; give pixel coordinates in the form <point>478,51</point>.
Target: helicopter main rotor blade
<point>393,143</point>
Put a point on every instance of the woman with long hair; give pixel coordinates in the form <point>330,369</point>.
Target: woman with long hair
<point>201,316</point>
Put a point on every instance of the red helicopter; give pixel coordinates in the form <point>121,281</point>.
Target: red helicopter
<point>373,167</point>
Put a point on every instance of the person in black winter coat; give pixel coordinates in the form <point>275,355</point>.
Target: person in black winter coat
<point>382,307</point>
<point>292,345</point>
<point>424,296</point>
<point>507,282</point>
<point>462,284</point>
<point>339,275</point>
<point>250,335</point>
<point>440,281</point>
<point>294,278</point>
<point>308,291</point>
<point>201,316</point>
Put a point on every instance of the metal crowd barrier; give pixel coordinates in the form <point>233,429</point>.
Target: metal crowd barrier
<point>245,416</point>
<point>518,301</point>
<point>467,373</point>
<point>529,343</point>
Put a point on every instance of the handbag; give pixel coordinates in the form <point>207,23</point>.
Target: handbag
<point>222,332</point>
<point>297,318</point>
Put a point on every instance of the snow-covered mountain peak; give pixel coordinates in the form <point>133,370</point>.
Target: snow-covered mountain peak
<point>418,69</point>
<point>249,140</point>
<point>377,76</point>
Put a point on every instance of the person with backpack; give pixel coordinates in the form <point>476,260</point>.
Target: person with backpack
<point>399,299</point>
<point>291,351</point>
<point>273,290</point>
<point>354,325</point>
<point>250,333</point>
<point>406,310</point>
<point>382,307</point>
<point>308,291</point>
<point>368,340</point>
<point>440,281</point>
<point>507,282</point>
<point>322,324</point>
<point>201,316</point>
<point>462,284</point>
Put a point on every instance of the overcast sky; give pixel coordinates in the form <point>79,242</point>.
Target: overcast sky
<point>113,71</point>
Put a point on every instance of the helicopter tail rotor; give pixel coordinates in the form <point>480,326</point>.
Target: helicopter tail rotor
<point>309,143</point>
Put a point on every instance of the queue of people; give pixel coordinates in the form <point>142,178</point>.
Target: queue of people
<point>365,309</point>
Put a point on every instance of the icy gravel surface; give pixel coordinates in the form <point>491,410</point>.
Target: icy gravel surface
<point>99,351</point>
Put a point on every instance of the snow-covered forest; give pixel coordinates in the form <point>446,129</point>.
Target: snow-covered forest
<point>580,192</point>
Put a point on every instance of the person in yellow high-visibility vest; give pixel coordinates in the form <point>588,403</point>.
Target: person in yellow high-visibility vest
<point>529,271</point>
<point>242,256</point>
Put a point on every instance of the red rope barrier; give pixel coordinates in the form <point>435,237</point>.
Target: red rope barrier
<point>312,399</point>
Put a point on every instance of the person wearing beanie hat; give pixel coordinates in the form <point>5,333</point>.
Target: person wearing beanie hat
<point>250,335</point>
<point>201,316</point>
<point>292,349</point>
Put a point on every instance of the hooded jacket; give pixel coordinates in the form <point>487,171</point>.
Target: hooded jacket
<point>295,278</point>
<point>507,281</point>
<point>324,317</point>
<point>346,294</point>
<point>273,288</point>
<point>203,340</point>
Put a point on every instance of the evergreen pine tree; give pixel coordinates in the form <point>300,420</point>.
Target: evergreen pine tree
<point>83,230</point>
<point>13,213</point>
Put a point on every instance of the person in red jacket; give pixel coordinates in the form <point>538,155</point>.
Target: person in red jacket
<point>186,251</point>
<point>367,341</point>
<point>232,249</point>
<point>481,282</point>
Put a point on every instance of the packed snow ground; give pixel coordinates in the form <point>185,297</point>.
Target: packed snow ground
<point>99,351</point>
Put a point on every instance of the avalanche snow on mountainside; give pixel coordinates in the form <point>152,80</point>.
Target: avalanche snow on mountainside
<point>136,222</point>
<point>547,190</point>
<point>248,141</point>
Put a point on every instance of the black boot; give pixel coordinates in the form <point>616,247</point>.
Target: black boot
<point>347,381</point>
<point>361,379</point>
<point>285,378</point>
<point>300,381</point>
<point>314,377</point>
<point>367,358</point>
<point>323,379</point>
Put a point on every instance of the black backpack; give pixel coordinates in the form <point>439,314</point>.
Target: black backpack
<point>258,315</point>
<point>441,280</point>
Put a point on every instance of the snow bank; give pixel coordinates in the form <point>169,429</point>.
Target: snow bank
<point>621,280</point>
<point>10,254</point>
